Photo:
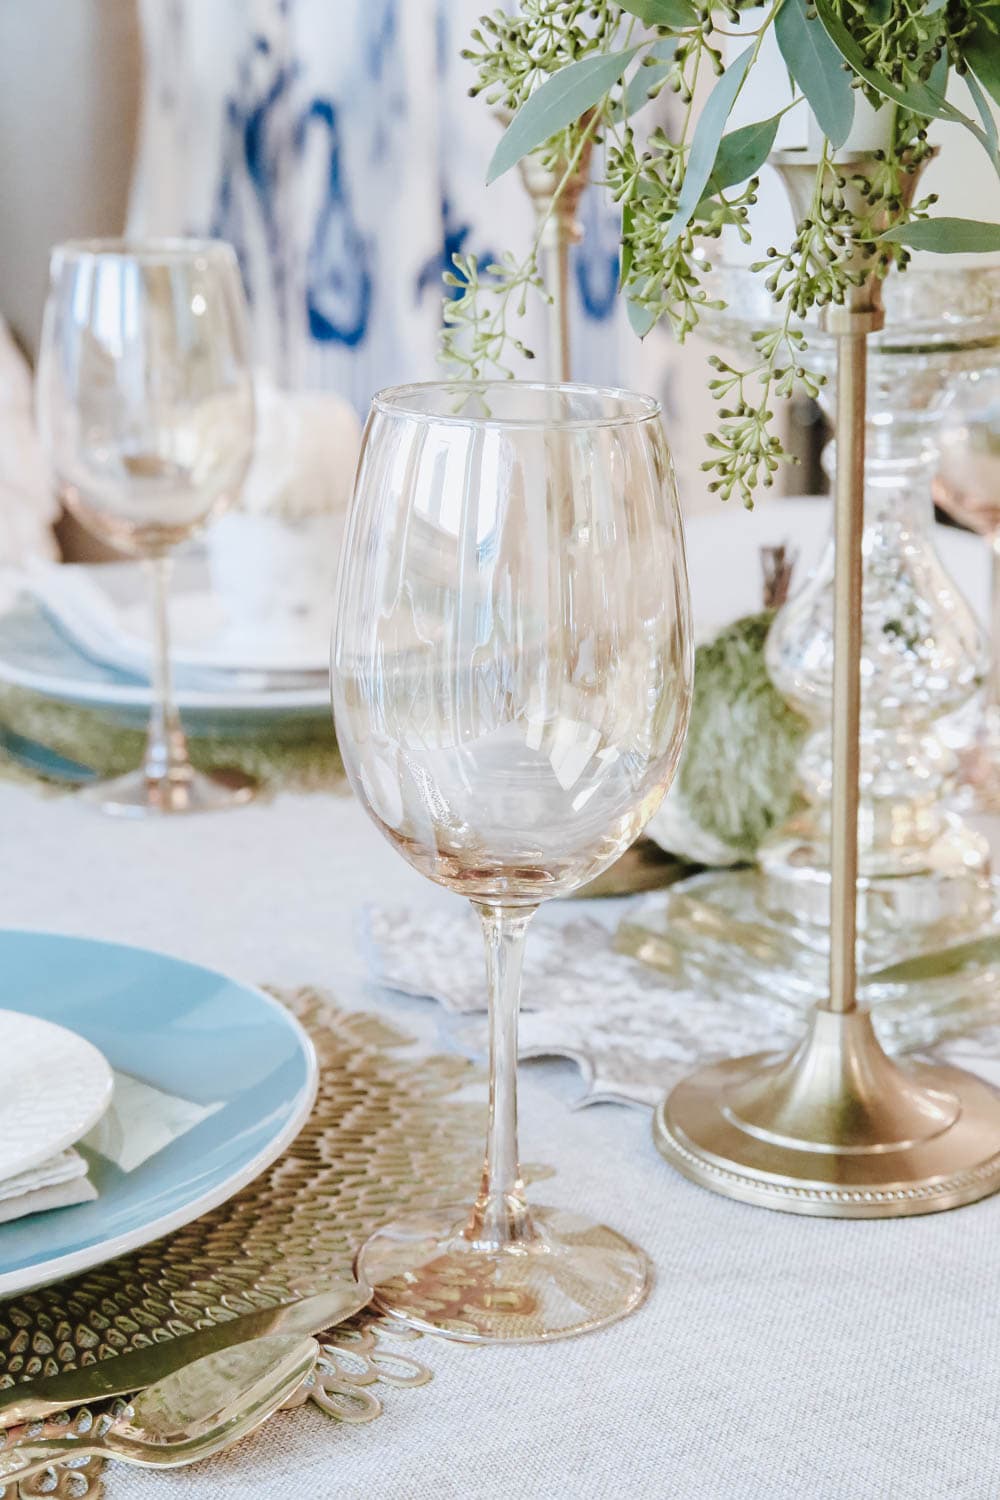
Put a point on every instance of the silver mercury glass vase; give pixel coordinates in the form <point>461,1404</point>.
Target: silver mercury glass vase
<point>923,655</point>
<point>924,877</point>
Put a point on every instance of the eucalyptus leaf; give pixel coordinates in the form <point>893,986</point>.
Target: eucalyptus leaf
<point>675,13</point>
<point>706,142</point>
<point>646,77</point>
<point>937,79</point>
<point>817,67</point>
<point>742,151</point>
<point>982,104</point>
<point>558,102</point>
<point>947,236</point>
<point>982,49</point>
<point>642,319</point>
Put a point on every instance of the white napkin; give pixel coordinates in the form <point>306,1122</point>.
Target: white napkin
<point>305,452</point>
<point>140,1122</point>
<point>55,1184</point>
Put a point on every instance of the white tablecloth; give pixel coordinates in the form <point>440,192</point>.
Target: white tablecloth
<point>776,1357</point>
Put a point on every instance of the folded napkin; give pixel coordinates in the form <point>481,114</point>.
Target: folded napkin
<point>54,1184</point>
<point>305,452</point>
<point>140,1122</point>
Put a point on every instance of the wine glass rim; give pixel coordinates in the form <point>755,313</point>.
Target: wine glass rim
<point>400,400</point>
<point>153,249</point>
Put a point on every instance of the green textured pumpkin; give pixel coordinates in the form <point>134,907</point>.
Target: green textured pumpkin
<point>736,780</point>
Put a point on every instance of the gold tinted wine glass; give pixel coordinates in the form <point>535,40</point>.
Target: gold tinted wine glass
<point>511,684</point>
<point>145,405</point>
<point>967,486</point>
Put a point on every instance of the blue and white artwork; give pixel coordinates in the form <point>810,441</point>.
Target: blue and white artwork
<point>334,143</point>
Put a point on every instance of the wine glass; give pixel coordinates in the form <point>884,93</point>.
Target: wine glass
<point>512,675</point>
<point>145,406</point>
<point>967,486</point>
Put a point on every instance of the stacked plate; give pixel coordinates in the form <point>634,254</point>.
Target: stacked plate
<point>136,1093</point>
<point>80,634</point>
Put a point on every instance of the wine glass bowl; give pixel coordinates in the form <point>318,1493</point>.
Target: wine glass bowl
<point>511,681</point>
<point>145,406</point>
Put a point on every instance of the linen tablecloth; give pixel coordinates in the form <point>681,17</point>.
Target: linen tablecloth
<point>777,1358</point>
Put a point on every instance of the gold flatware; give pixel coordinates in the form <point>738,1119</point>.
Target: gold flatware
<point>195,1412</point>
<point>34,1399</point>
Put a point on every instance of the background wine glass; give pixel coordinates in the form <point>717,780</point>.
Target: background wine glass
<point>511,681</point>
<point>968,488</point>
<point>145,404</point>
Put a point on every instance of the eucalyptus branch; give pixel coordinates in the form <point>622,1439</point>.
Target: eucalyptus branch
<point>561,66</point>
<point>474,333</point>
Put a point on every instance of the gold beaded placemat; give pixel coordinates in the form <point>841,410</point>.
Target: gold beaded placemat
<point>386,1134</point>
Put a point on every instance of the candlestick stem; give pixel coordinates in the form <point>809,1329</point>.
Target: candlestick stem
<point>849,525</point>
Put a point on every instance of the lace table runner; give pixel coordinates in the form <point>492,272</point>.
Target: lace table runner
<point>633,1030</point>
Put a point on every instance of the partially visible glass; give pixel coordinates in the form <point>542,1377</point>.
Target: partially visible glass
<point>967,486</point>
<point>512,675</point>
<point>145,405</point>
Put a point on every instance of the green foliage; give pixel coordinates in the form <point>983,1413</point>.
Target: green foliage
<point>674,13</point>
<point>513,54</point>
<point>560,101</point>
<point>705,143</point>
<point>947,236</point>
<point>742,152</point>
<point>575,72</point>
<point>816,66</point>
<point>982,47</point>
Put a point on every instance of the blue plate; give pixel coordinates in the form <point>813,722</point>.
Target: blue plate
<point>187,1031</point>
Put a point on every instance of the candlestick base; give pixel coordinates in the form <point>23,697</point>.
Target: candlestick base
<point>836,1130</point>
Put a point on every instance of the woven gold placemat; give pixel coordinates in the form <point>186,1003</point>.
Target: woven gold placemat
<point>386,1134</point>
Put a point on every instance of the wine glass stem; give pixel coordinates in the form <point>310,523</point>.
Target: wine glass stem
<point>993,697</point>
<point>500,1217</point>
<point>166,757</point>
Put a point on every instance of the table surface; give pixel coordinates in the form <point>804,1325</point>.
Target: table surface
<point>775,1357</point>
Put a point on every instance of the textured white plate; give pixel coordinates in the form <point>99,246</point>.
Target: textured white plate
<point>53,1087</point>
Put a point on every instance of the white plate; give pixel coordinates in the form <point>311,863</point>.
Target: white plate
<point>53,1087</point>
<point>35,654</point>
<point>105,611</point>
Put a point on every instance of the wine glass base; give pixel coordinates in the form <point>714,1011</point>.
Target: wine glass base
<point>138,796</point>
<point>571,1277</point>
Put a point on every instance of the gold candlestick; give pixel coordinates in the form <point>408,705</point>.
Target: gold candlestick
<point>560,232</point>
<point>837,1129</point>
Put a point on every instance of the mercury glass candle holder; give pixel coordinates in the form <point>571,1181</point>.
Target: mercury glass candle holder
<point>924,876</point>
<point>923,655</point>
